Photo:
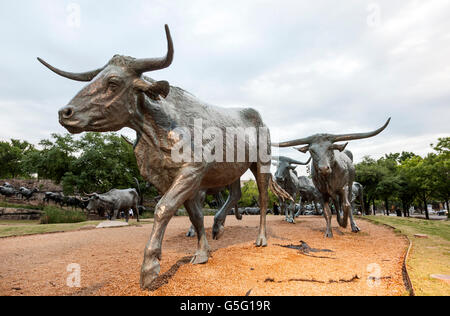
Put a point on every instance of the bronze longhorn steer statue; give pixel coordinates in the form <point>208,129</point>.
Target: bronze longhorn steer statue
<point>287,178</point>
<point>119,96</point>
<point>333,171</point>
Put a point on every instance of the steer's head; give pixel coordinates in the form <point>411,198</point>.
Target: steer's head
<point>110,100</point>
<point>322,147</point>
<point>94,202</point>
<point>284,164</point>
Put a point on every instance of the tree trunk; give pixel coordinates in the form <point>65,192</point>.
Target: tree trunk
<point>374,208</point>
<point>386,203</point>
<point>425,204</point>
<point>404,208</point>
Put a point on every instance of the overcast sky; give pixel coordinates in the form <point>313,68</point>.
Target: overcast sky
<point>307,66</point>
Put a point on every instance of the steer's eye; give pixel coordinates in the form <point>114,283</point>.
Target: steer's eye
<point>113,85</point>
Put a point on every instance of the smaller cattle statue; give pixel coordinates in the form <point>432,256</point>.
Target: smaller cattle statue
<point>287,178</point>
<point>116,201</point>
<point>27,193</point>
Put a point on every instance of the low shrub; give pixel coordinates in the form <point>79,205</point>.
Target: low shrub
<point>147,215</point>
<point>21,206</point>
<point>54,215</point>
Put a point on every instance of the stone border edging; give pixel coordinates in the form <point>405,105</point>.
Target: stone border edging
<point>406,276</point>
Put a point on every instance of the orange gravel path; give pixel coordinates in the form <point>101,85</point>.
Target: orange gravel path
<point>110,261</point>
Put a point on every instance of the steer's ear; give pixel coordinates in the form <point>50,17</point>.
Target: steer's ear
<point>303,149</point>
<point>340,147</point>
<point>153,90</point>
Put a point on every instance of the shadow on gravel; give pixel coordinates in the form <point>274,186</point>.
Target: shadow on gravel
<point>163,279</point>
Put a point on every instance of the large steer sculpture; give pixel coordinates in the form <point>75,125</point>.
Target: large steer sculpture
<point>333,171</point>
<point>119,96</point>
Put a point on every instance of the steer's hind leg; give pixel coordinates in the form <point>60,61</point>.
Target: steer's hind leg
<point>219,219</point>
<point>184,186</point>
<point>194,209</point>
<point>347,199</point>
<point>262,179</point>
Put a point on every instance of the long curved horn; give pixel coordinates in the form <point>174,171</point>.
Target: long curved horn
<point>150,64</point>
<point>302,163</point>
<point>298,142</point>
<point>291,161</point>
<point>82,76</point>
<point>348,137</point>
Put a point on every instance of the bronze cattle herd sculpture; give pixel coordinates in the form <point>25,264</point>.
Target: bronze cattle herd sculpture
<point>333,172</point>
<point>184,148</point>
<point>288,180</point>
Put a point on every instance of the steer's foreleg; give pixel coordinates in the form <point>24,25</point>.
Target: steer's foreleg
<point>291,210</point>
<point>262,179</point>
<point>328,215</point>
<point>184,186</point>
<point>116,214</point>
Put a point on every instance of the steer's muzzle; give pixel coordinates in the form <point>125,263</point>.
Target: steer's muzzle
<point>66,113</point>
<point>66,119</point>
<point>325,170</point>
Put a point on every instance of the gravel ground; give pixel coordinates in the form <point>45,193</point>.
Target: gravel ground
<point>110,261</point>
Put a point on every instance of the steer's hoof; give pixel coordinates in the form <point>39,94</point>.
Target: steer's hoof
<point>218,231</point>
<point>191,233</point>
<point>261,241</point>
<point>329,234</point>
<point>290,220</point>
<point>149,272</point>
<point>355,229</point>
<point>201,257</point>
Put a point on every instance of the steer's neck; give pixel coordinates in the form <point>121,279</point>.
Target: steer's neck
<point>153,149</point>
<point>151,124</point>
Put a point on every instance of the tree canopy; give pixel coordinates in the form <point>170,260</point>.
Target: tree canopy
<point>100,162</point>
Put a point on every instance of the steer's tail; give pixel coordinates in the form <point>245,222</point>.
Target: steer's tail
<point>278,191</point>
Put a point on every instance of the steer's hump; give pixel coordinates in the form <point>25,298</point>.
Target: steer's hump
<point>252,116</point>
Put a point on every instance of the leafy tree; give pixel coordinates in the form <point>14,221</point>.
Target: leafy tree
<point>11,157</point>
<point>369,174</point>
<point>105,162</point>
<point>440,176</point>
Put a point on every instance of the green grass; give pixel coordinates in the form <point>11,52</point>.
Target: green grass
<point>22,229</point>
<point>428,256</point>
<point>10,228</point>
<point>54,215</point>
